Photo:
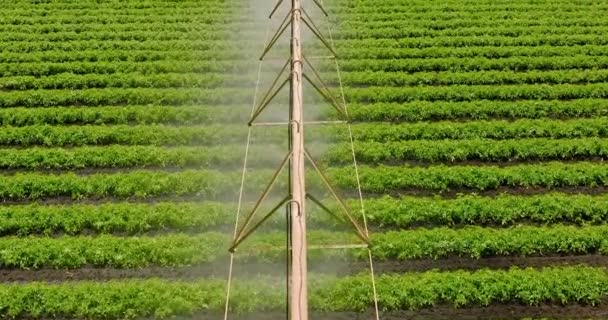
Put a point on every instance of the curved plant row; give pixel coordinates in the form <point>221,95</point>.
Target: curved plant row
<point>380,112</point>
<point>384,212</point>
<point>492,129</point>
<point>477,92</point>
<point>167,45</point>
<point>371,52</point>
<point>475,41</point>
<point>124,80</point>
<point>375,50</point>
<point>55,136</point>
<point>407,31</point>
<point>138,35</point>
<point>209,184</point>
<point>455,64</point>
<point>163,299</point>
<point>122,96</point>
<point>502,210</point>
<point>385,179</point>
<point>231,156</point>
<point>103,67</point>
<point>93,55</point>
<point>131,114</point>
<point>172,250</point>
<point>478,110</point>
<point>396,79</point>
<point>49,136</point>
<point>432,151</point>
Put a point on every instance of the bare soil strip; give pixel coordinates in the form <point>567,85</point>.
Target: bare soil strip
<point>346,268</point>
<point>493,312</point>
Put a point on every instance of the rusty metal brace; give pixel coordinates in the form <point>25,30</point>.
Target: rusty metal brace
<point>343,206</point>
<point>263,196</point>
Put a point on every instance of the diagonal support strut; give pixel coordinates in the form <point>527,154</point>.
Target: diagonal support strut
<point>246,234</point>
<point>257,205</point>
<point>362,235</point>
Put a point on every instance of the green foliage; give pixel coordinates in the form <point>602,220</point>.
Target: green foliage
<point>476,92</point>
<point>53,136</point>
<point>503,210</point>
<point>163,299</point>
<point>479,110</point>
<point>110,251</point>
<point>491,129</point>
<point>134,184</point>
<point>129,218</point>
<point>132,114</point>
<point>477,242</point>
<point>384,179</point>
<point>535,149</point>
<point>121,96</point>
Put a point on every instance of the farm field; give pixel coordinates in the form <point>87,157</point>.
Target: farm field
<point>480,129</point>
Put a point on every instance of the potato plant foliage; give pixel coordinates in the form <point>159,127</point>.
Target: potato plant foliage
<point>480,129</point>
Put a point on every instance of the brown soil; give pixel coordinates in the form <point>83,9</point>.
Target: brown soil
<point>493,312</point>
<point>595,260</point>
<point>452,193</point>
<point>219,269</point>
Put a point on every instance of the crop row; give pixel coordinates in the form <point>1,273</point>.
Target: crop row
<point>430,8</point>
<point>127,299</point>
<point>230,156</point>
<point>404,30</point>
<point>477,242</point>
<point>131,55</point>
<point>121,134</point>
<point>216,134</point>
<point>478,110</point>
<point>397,79</point>
<point>386,19</point>
<point>129,218</point>
<point>104,67</point>
<point>205,184</point>
<point>519,21</point>
<point>384,212</point>
<point>170,45</point>
<point>384,179</point>
<point>348,29</point>
<point>208,184</point>
<point>467,150</point>
<point>477,92</point>
<point>382,13</point>
<point>132,114</point>
<point>126,27</point>
<point>519,63</point>
<point>111,35</point>
<point>116,156</point>
<point>374,51</point>
<point>123,96</point>
<point>168,250</point>
<point>210,11</point>
<point>220,134</point>
<point>73,46</point>
<point>497,41</point>
<point>381,112</point>
<point>494,129</point>
<point>111,19</point>
<point>171,250</point>
<point>125,80</point>
<point>176,96</point>
<point>503,210</point>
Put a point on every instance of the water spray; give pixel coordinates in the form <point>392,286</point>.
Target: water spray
<point>300,71</point>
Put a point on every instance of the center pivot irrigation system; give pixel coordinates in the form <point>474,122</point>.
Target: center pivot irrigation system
<point>300,70</point>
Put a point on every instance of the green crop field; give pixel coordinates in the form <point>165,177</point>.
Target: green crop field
<point>480,129</point>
